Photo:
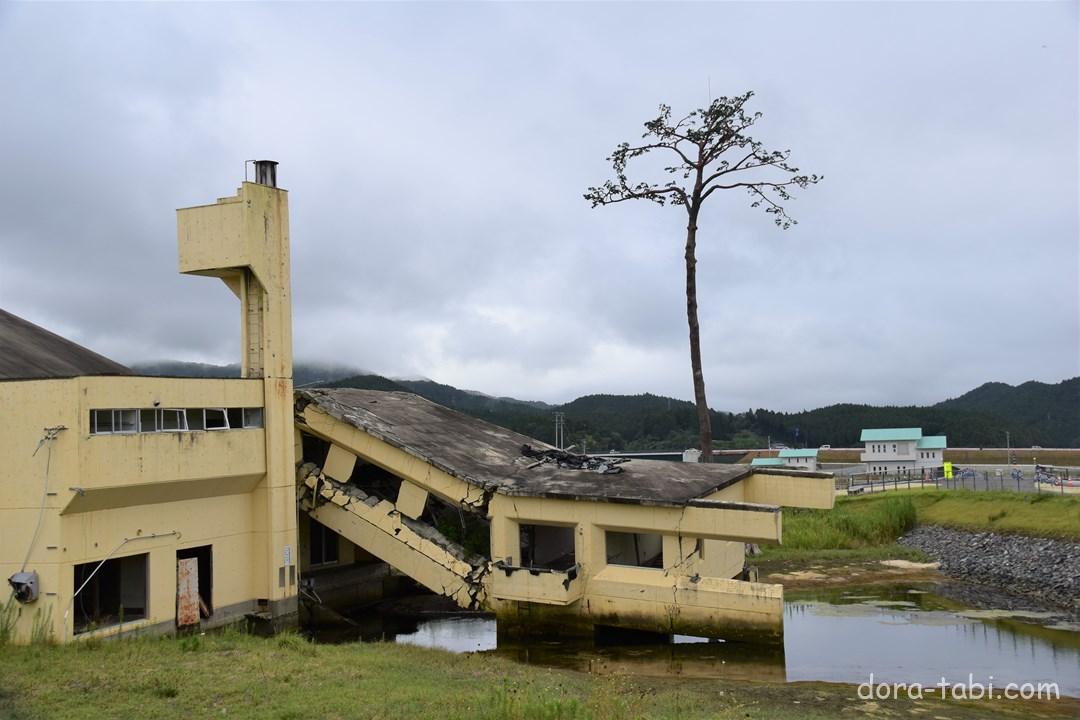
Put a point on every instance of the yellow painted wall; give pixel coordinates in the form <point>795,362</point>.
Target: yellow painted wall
<point>112,496</point>
<point>147,466</point>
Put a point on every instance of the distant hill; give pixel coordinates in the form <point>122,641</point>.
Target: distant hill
<point>1034,413</point>
<point>1048,415</point>
<point>303,373</point>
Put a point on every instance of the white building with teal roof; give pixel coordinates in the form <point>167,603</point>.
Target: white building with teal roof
<point>789,458</point>
<point>889,450</point>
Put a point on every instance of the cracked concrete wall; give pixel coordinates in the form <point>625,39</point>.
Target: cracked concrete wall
<point>313,420</point>
<point>378,527</point>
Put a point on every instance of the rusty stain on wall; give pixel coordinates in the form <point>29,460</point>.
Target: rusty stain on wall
<point>187,592</point>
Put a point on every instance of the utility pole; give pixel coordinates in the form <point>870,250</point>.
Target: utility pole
<point>1008,447</point>
<point>560,422</point>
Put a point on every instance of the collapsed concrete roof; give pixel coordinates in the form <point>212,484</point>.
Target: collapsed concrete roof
<point>490,456</point>
<point>30,352</point>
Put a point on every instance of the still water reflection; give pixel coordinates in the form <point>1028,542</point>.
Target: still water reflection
<point>901,634</point>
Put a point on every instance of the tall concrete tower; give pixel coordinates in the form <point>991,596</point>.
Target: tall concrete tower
<point>244,240</point>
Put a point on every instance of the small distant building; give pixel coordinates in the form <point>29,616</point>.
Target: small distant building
<point>803,459</point>
<point>789,458</point>
<point>890,450</point>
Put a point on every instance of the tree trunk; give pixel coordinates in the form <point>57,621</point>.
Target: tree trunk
<point>704,422</point>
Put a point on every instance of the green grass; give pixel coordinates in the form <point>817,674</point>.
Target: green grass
<point>238,676</point>
<point>1040,515</point>
<point>866,527</point>
<point>849,525</point>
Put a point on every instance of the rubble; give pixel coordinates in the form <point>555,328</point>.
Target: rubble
<point>572,461</point>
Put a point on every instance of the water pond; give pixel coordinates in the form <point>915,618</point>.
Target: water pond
<point>900,633</point>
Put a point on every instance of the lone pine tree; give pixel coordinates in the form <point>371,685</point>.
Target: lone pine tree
<point>708,150</point>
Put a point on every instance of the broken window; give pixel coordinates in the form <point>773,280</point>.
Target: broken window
<point>216,419</point>
<point>112,592</point>
<point>253,417</point>
<point>323,543</point>
<point>549,547</point>
<point>636,549</point>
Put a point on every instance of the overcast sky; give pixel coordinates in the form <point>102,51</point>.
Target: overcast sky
<point>436,157</point>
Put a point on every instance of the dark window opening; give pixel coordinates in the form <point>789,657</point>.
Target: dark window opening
<point>636,549</point>
<point>236,417</point>
<point>314,448</point>
<point>550,547</point>
<point>253,417</point>
<point>216,419</point>
<point>195,419</point>
<point>115,593</point>
<point>470,531</point>
<point>172,420</point>
<point>205,556</point>
<point>323,543</point>
<point>148,421</point>
<point>373,480</point>
<point>101,421</point>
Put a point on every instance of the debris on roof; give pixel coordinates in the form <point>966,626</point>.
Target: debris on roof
<point>572,461</point>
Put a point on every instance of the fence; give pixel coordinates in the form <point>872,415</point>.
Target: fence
<point>1043,478</point>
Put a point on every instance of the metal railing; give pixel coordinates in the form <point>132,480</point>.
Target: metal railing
<point>1041,479</point>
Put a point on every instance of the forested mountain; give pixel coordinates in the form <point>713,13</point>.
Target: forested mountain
<point>1034,413</point>
<point>303,373</point>
<point>1047,415</point>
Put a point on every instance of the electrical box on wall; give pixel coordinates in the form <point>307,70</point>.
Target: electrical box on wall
<point>25,586</point>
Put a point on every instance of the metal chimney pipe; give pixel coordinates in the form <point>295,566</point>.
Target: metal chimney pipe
<point>266,172</point>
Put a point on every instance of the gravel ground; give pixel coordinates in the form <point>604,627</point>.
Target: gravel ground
<point>1048,570</point>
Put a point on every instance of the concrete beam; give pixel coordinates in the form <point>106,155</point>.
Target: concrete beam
<point>407,467</point>
<point>411,499</point>
<point>339,464</point>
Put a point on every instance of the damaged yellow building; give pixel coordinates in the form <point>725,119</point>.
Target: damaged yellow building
<point>145,503</point>
<point>573,542</point>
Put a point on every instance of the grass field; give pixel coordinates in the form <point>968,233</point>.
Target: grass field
<point>866,527</point>
<point>1041,515</point>
<point>238,676</point>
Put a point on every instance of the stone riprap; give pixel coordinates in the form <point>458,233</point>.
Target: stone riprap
<point>1039,567</point>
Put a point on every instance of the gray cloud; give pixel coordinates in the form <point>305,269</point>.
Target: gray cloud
<point>436,156</point>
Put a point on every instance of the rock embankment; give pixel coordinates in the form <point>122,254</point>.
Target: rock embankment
<point>1039,567</point>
